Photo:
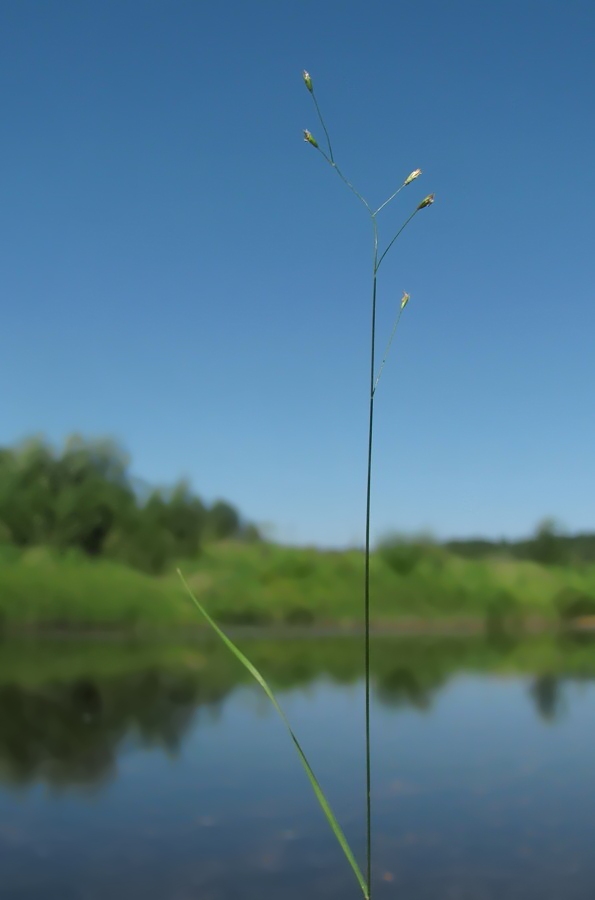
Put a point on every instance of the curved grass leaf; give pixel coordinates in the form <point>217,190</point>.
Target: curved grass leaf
<point>313,780</point>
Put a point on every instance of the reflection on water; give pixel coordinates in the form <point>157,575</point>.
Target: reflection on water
<point>69,733</point>
<point>162,772</point>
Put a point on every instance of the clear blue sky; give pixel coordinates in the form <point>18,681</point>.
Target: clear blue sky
<point>182,272</point>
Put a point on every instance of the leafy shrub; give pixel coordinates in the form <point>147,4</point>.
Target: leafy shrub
<point>573,604</point>
<point>502,610</point>
<point>403,555</point>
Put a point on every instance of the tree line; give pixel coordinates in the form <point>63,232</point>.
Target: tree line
<point>82,497</point>
<point>549,546</point>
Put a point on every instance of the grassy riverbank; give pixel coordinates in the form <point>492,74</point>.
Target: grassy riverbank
<point>264,584</point>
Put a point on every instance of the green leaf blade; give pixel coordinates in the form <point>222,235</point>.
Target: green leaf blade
<point>324,804</point>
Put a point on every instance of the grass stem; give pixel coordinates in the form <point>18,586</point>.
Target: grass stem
<point>367,570</point>
<point>364,883</point>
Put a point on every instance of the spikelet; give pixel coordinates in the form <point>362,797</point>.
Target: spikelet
<point>307,80</point>
<point>427,201</point>
<point>415,174</point>
<point>309,138</point>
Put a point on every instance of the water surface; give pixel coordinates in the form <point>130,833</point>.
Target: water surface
<point>162,773</point>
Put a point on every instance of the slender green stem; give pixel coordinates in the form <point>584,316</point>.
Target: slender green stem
<point>390,340</point>
<point>331,159</point>
<point>328,159</point>
<point>386,202</point>
<point>367,572</point>
<point>334,165</point>
<point>351,187</point>
<point>403,226</point>
<point>365,884</point>
<point>372,214</point>
<point>328,139</point>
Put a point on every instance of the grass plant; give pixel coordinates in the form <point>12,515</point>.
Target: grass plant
<point>378,257</point>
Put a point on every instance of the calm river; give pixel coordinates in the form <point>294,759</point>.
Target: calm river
<point>162,773</point>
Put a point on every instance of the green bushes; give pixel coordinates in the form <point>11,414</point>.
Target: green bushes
<point>548,546</point>
<point>403,555</point>
<point>503,613</point>
<point>262,584</point>
<point>572,603</point>
<point>83,498</point>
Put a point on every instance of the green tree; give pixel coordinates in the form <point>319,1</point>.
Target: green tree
<point>222,521</point>
<point>547,546</point>
<point>83,497</point>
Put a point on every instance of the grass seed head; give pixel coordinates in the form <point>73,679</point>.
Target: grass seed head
<point>427,201</point>
<point>307,80</point>
<point>415,174</point>
<point>309,138</point>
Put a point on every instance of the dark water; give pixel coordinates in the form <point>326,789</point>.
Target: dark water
<point>162,773</point>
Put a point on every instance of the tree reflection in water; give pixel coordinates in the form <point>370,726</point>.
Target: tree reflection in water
<point>67,710</point>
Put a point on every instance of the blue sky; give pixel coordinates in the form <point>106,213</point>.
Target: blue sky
<point>182,272</point>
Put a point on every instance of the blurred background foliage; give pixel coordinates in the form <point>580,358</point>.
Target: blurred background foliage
<point>83,498</point>
<point>85,544</point>
<point>549,546</point>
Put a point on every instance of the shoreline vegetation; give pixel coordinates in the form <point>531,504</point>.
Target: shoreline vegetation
<point>86,547</point>
<point>418,588</point>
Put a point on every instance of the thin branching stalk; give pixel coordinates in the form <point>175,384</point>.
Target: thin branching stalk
<point>374,379</point>
<point>364,883</point>
<point>404,302</point>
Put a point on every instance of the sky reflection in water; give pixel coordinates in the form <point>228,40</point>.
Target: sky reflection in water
<point>175,782</point>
